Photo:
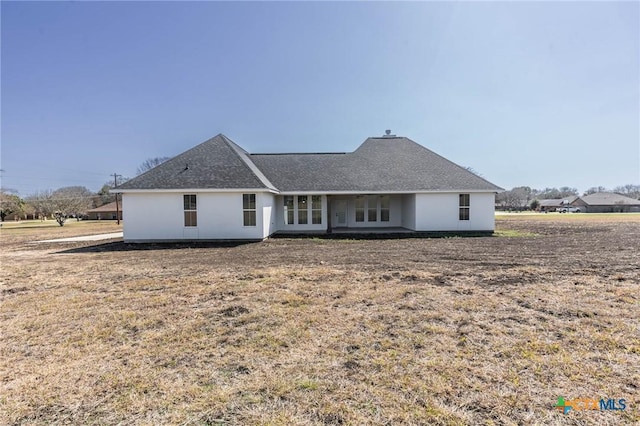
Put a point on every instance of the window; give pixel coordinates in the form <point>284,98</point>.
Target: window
<point>384,208</point>
<point>373,208</point>
<point>464,207</point>
<point>316,209</point>
<point>300,207</point>
<point>360,209</point>
<point>190,210</point>
<point>372,204</point>
<point>249,209</point>
<point>288,210</point>
<point>302,210</point>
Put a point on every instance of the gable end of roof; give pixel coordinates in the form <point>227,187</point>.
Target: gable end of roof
<point>216,163</point>
<point>245,157</point>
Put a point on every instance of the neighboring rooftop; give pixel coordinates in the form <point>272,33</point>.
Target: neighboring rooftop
<point>608,198</point>
<point>388,163</point>
<point>105,208</point>
<point>557,202</point>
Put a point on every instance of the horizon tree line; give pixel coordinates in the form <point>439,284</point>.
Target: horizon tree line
<point>522,197</point>
<point>74,201</point>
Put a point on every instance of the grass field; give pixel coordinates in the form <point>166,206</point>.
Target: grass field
<point>13,232</point>
<point>485,330</point>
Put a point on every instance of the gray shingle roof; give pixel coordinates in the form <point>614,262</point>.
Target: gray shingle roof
<point>557,202</point>
<point>379,164</point>
<point>608,199</point>
<point>109,207</point>
<point>217,163</point>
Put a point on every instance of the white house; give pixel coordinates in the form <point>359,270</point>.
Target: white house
<point>218,191</point>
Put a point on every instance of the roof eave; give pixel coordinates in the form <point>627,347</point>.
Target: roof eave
<point>360,192</point>
<point>190,190</point>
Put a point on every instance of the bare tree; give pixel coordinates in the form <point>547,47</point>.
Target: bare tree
<point>594,189</point>
<point>566,191</point>
<point>71,201</point>
<point>629,190</point>
<point>548,193</point>
<point>150,163</point>
<point>42,203</point>
<point>517,198</point>
<point>554,193</point>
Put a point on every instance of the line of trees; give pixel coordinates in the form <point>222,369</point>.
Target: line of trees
<point>74,201</point>
<point>60,204</point>
<point>524,197</point>
<point>63,203</point>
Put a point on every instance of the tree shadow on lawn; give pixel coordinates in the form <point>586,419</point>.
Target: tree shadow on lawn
<point>119,246</point>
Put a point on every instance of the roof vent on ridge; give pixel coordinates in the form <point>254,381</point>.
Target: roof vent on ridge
<point>387,134</point>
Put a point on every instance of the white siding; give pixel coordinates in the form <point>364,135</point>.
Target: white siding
<point>160,216</point>
<point>409,211</point>
<point>268,214</point>
<point>440,212</point>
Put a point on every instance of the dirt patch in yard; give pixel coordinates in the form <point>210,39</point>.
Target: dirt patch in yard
<point>312,331</point>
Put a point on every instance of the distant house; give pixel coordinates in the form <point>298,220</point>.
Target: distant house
<point>219,191</point>
<point>607,202</point>
<point>105,212</point>
<point>551,205</point>
<point>22,216</point>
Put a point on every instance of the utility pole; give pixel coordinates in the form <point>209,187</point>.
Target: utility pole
<point>115,184</point>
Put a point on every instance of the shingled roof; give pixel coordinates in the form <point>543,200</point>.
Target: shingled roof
<point>608,199</point>
<point>105,208</point>
<point>217,163</point>
<point>558,202</point>
<point>380,164</point>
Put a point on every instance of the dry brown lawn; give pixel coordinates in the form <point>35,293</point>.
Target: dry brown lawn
<point>486,330</point>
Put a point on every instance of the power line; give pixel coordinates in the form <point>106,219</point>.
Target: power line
<point>115,185</point>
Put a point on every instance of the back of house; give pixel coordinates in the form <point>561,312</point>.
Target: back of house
<point>218,191</point>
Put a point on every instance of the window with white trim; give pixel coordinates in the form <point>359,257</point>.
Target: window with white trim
<point>316,209</point>
<point>289,211</point>
<point>249,209</point>
<point>190,210</point>
<point>385,206</point>
<point>360,208</point>
<point>302,209</point>
<point>372,208</point>
<point>464,206</point>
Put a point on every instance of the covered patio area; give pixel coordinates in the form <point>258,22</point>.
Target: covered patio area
<point>370,213</point>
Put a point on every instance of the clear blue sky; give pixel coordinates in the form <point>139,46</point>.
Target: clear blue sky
<point>539,94</point>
